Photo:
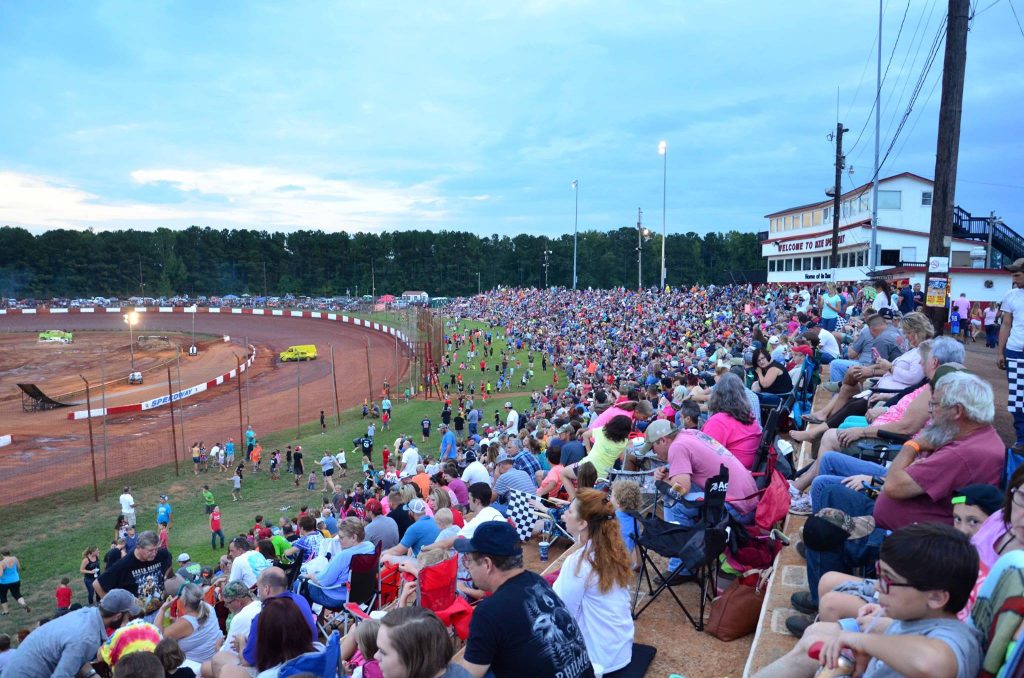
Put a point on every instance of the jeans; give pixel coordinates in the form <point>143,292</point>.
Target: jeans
<point>833,467</point>
<point>686,516</point>
<point>838,368</point>
<point>854,553</point>
<point>1018,414</point>
<point>827,358</point>
<point>318,595</point>
<point>87,580</point>
<point>829,323</point>
<point>991,336</point>
<point>213,538</point>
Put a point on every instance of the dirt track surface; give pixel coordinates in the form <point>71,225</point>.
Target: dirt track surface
<point>50,452</point>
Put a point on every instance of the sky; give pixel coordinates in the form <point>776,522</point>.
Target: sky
<point>477,116</point>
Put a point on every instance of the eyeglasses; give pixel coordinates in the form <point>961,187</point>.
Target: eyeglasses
<point>885,583</point>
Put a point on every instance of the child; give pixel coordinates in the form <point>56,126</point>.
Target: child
<point>926,572</point>
<point>288,458</point>
<point>208,499</point>
<point>311,481</point>
<point>236,484</point>
<point>215,528</point>
<point>163,535</point>
<point>63,594</point>
<point>626,499</point>
<point>361,647</point>
<point>275,463</point>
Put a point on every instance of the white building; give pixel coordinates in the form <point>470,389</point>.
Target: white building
<point>798,245</point>
<point>415,297</point>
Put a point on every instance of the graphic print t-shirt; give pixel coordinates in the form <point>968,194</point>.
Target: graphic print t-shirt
<point>525,630</point>
<point>144,579</point>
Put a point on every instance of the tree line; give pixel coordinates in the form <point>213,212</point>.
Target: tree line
<point>204,261</point>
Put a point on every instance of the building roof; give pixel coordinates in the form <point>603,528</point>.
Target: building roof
<point>849,194</point>
<point>415,293</point>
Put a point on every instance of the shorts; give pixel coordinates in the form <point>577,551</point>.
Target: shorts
<point>209,509</point>
<point>865,590</point>
<point>328,473</point>
<point>195,460</point>
<point>14,589</point>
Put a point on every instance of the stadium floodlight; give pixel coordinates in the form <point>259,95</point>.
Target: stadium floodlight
<point>131,318</point>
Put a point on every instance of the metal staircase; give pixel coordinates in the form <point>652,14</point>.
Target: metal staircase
<point>1006,244</point>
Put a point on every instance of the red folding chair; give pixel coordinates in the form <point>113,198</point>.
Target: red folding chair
<point>436,591</point>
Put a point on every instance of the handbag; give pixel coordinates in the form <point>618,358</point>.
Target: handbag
<point>734,614</point>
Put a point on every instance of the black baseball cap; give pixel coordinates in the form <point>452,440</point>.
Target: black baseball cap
<point>493,538</point>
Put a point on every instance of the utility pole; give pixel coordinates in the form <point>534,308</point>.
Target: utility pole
<point>639,249</point>
<point>837,191</point>
<point>946,154</point>
<point>575,227</point>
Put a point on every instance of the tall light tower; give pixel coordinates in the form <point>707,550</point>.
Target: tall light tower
<point>663,152</point>
<point>642,236</point>
<point>575,226</point>
<point>131,318</point>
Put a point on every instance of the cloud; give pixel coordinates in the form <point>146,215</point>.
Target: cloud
<point>227,196</point>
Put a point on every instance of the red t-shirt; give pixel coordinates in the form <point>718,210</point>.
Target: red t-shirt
<point>63,597</point>
<point>215,521</point>
<point>976,458</point>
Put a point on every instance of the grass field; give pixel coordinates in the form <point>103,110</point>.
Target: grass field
<point>49,535</point>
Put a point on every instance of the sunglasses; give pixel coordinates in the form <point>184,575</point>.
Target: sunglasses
<point>885,583</point>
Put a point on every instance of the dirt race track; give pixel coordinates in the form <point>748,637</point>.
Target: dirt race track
<point>49,452</point>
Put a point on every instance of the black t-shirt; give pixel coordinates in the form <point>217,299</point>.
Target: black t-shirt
<point>111,557</point>
<point>425,425</point>
<point>401,518</point>
<point>459,422</point>
<point>446,416</point>
<point>524,629</point>
<point>367,444</point>
<point>144,579</point>
<point>782,384</point>
<point>297,462</point>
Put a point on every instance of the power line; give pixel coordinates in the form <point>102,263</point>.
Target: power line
<point>885,75</point>
<point>1016,18</point>
<point>863,71</point>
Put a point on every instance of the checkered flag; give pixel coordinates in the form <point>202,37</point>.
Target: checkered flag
<point>521,513</point>
<point>1014,373</point>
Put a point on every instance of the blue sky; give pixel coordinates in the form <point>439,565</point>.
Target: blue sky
<point>477,116</point>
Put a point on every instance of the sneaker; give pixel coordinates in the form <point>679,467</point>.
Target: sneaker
<point>798,623</point>
<point>802,602</point>
<point>801,505</point>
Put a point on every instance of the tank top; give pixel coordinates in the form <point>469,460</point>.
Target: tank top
<point>10,574</point>
<point>93,566</point>
<point>202,643</point>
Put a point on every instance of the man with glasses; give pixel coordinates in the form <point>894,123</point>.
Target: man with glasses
<point>958,448</point>
<point>238,599</point>
<point>140,572</point>
<point>925,575</point>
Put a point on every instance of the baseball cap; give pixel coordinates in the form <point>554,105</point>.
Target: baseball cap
<point>555,444</point>
<point>417,506</point>
<point>375,506</point>
<point>986,497</point>
<point>655,432</point>
<point>235,589</point>
<point>503,458</point>
<point>493,538</point>
<point>805,349</point>
<point>508,403</point>
<point>1016,266</point>
<point>119,600</point>
<point>164,497</point>
<point>566,428</point>
<point>442,426</point>
<point>183,558</point>
<point>886,313</point>
<point>774,339</point>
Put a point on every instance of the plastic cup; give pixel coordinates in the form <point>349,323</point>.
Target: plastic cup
<point>543,547</point>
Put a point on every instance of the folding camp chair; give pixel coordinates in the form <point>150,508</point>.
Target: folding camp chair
<point>698,547</point>
<point>645,479</point>
<point>436,591</point>
<point>363,592</point>
<point>325,663</point>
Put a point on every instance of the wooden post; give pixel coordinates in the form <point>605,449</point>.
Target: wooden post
<point>947,148</point>
<point>369,375</point>
<point>334,380</point>
<point>174,431</point>
<point>92,445</point>
<point>298,399</point>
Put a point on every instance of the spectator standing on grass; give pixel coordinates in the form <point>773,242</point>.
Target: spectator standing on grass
<point>297,467</point>
<point>229,452</point>
<point>63,595</point>
<point>163,512</point>
<point>90,569</point>
<point>61,648</point>
<point>323,423</point>
<point>10,580</point>
<point>127,505</point>
<point>250,440</point>
<point>208,499</point>
<point>236,485</point>
<point>215,528</point>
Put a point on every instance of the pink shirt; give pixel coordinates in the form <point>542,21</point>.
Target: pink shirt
<point>896,412</point>
<point>740,439</point>
<point>976,458</point>
<point>700,456</point>
<point>606,416</point>
<point>552,476</point>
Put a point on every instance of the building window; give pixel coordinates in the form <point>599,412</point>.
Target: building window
<point>798,265</point>
<point>771,265</point>
<point>926,198</point>
<point>889,200</point>
<point>817,217</point>
<point>789,264</point>
<point>861,259</point>
<point>844,259</point>
<point>826,214</point>
<point>908,254</point>
<point>862,203</point>
<point>807,219</point>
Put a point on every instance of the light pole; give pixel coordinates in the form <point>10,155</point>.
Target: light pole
<point>642,235</point>
<point>131,319</point>
<point>192,350</point>
<point>478,283</point>
<point>547,253</point>
<point>575,226</point>
<point>663,151</point>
